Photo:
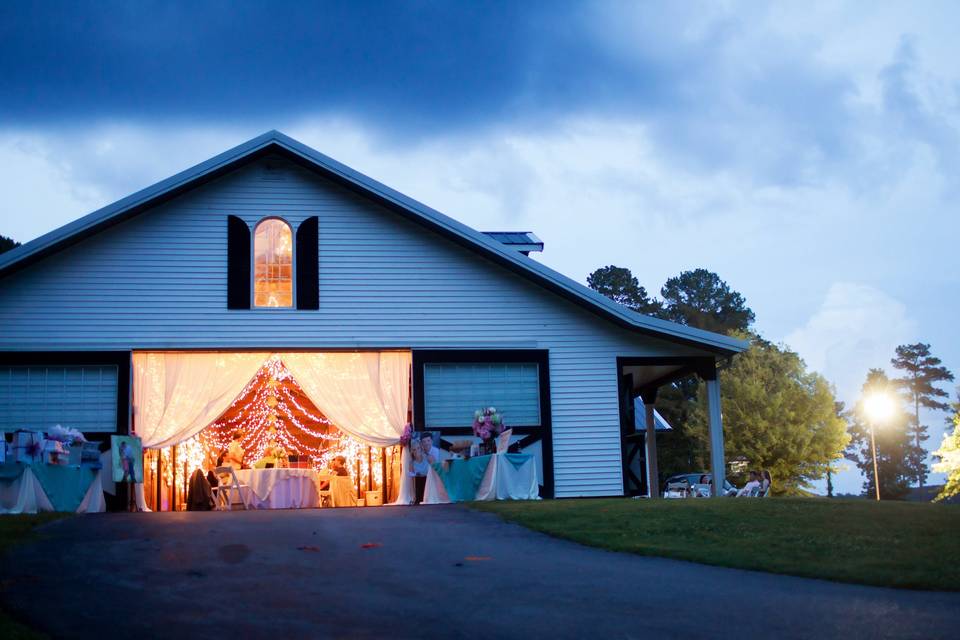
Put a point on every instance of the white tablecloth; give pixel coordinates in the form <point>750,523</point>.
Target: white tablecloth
<point>281,488</point>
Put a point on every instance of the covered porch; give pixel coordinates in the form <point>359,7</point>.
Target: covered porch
<point>643,377</point>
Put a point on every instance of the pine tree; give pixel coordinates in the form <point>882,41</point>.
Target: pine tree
<point>892,438</point>
<point>922,373</point>
<point>621,286</point>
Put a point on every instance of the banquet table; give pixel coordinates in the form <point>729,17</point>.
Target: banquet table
<point>281,488</point>
<point>500,476</point>
<point>29,488</point>
<point>294,488</point>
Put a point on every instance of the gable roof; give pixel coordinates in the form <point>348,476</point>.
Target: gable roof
<point>278,143</point>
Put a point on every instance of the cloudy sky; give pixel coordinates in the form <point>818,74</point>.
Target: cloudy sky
<point>809,153</point>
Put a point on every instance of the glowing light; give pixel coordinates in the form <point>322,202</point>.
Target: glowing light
<point>878,406</point>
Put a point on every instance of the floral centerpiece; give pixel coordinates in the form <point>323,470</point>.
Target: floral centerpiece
<point>66,435</point>
<point>407,435</point>
<point>487,425</point>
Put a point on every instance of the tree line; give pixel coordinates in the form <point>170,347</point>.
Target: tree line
<point>778,415</point>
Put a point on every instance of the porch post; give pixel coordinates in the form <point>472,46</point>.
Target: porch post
<point>653,473</point>
<point>717,465</point>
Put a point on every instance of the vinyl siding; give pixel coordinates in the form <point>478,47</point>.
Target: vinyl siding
<point>158,281</point>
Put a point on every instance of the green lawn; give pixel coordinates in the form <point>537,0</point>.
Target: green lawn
<point>14,529</point>
<point>896,544</point>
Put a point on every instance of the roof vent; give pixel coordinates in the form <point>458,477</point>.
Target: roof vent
<point>522,241</point>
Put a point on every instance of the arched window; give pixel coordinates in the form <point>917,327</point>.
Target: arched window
<point>272,264</point>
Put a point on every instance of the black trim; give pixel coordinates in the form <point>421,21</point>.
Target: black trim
<point>308,264</point>
<point>543,431</point>
<point>122,360</point>
<point>238,263</point>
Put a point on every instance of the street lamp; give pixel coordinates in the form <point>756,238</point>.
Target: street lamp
<point>878,406</point>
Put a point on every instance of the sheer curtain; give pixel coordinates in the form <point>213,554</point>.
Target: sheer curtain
<point>365,394</point>
<point>177,394</point>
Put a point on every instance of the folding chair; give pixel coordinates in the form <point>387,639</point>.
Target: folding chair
<point>326,495</point>
<point>226,489</point>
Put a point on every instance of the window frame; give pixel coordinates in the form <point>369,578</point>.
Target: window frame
<point>253,265</point>
<point>530,434</point>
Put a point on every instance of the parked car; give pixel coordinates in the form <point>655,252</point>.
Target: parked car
<point>673,488</point>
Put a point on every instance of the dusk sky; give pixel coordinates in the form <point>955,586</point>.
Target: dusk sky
<point>809,153</point>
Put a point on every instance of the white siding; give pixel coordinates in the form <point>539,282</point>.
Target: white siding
<point>158,281</point>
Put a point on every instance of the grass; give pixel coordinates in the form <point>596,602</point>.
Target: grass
<point>891,544</point>
<point>13,530</point>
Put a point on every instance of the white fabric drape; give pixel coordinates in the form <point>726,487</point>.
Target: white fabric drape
<point>23,494</point>
<point>177,394</point>
<point>365,394</point>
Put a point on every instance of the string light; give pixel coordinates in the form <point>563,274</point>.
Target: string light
<point>272,406</point>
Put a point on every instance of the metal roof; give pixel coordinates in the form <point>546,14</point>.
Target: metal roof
<point>522,241</point>
<point>276,142</point>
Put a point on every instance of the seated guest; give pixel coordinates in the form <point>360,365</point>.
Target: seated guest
<point>765,483</point>
<point>234,456</point>
<point>339,466</point>
<point>424,454</point>
<point>752,487</point>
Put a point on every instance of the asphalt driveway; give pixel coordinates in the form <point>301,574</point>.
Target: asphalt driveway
<point>413,572</point>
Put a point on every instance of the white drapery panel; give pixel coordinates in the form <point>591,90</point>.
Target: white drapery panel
<point>367,394</point>
<point>177,394</point>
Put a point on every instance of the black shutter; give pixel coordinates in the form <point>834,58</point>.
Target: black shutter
<point>308,264</point>
<point>238,263</point>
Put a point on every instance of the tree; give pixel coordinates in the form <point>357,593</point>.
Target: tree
<point>892,438</point>
<point>777,415</point>
<point>949,455</point>
<point>621,286</point>
<point>922,373</point>
<point>7,243</point>
<point>701,299</point>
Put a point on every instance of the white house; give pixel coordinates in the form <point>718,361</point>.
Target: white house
<point>343,264</point>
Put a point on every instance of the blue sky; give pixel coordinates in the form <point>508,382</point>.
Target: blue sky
<point>809,153</point>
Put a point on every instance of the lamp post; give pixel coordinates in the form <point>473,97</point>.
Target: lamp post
<point>878,406</point>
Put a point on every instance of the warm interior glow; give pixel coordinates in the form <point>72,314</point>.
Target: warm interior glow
<point>273,264</point>
<point>878,406</point>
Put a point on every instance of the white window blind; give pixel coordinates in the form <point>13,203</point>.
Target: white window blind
<point>453,391</point>
<point>83,397</point>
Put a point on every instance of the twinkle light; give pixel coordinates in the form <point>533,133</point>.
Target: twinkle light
<point>272,405</point>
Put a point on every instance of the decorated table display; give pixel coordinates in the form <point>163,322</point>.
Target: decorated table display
<point>499,476</point>
<point>59,472</point>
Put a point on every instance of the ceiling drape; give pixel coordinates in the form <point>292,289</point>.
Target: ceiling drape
<point>366,394</point>
<point>176,394</point>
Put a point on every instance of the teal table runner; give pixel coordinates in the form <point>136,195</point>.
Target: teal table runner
<point>462,477</point>
<point>65,486</point>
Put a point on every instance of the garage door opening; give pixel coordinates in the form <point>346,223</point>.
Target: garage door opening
<point>297,429</point>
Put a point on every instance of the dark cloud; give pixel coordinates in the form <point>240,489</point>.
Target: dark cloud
<point>420,64</point>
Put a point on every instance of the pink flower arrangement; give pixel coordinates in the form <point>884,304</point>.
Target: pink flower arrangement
<point>487,423</point>
<point>407,435</point>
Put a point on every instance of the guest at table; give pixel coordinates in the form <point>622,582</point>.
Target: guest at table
<point>339,466</point>
<point>424,454</point>
<point>234,456</point>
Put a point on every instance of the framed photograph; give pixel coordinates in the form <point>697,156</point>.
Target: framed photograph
<point>126,457</point>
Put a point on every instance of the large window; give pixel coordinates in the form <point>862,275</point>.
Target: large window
<point>453,391</point>
<point>273,264</point>
<point>38,397</point>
